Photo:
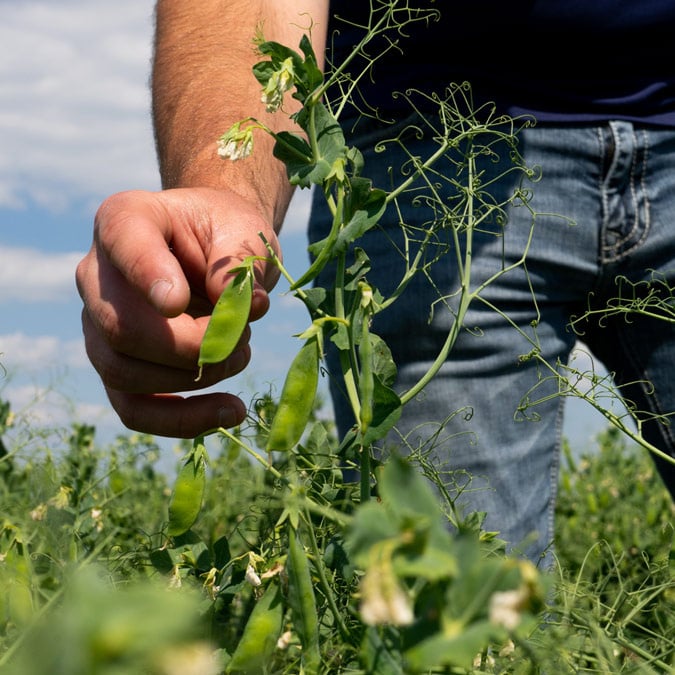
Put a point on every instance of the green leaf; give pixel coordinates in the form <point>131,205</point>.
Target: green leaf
<point>380,653</point>
<point>310,76</point>
<point>372,523</point>
<point>386,412</point>
<point>303,167</point>
<point>314,298</point>
<point>458,649</point>
<point>383,362</point>
<point>358,269</point>
<point>356,227</point>
<point>364,207</point>
<point>398,478</point>
<point>221,552</point>
<point>433,564</point>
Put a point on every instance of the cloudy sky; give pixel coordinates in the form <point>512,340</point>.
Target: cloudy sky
<point>74,128</point>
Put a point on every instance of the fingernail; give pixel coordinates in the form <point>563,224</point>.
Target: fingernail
<point>159,291</point>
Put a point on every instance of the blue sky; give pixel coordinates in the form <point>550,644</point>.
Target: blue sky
<point>74,128</point>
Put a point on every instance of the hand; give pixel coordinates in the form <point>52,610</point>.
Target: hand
<point>158,264</point>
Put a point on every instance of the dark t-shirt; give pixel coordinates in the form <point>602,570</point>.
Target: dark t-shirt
<point>559,60</point>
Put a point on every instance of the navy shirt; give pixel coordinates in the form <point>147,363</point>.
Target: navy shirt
<point>559,60</point>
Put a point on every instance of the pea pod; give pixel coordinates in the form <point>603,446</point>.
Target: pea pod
<point>302,602</point>
<point>297,398</point>
<point>260,636</point>
<point>188,491</point>
<point>228,319</point>
<point>366,378</point>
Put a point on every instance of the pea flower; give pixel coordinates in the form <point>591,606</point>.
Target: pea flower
<point>195,658</point>
<point>284,640</point>
<point>210,582</point>
<point>236,143</point>
<point>252,576</point>
<point>506,607</point>
<point>62,498</point>
<point>97,516</point>
<point>39,512</point>
<point>279,83</point>
<point>251,572</point>
<point>175,580</point>
<point>382,599</point>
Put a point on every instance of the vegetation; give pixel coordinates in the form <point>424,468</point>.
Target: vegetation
<point>93,584</point>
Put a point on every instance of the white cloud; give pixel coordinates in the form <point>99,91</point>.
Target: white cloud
<point>75,122</point>
<point>35,354</point>
<point>31,275</point>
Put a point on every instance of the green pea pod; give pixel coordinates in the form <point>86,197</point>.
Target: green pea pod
<point>366,378</point>
<point>188,491</point>
<point>302,602</point>
<point>297,398</point>
<point>260,636</point>
<point>228,319</point>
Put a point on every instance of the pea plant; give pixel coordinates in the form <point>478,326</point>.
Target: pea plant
<point>340,576</point>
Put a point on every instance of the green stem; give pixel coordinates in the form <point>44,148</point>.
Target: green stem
<point>256,455</point>
<point>464,301</point>
<point>323,580</point>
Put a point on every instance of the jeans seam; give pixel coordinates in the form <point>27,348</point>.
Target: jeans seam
<point>615,252</point>
<point>555,474</point>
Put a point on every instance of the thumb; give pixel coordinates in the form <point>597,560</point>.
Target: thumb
<point>132,231</point>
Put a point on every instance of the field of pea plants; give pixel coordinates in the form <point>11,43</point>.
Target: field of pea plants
<point>260,553</point>
<point>94,583</point>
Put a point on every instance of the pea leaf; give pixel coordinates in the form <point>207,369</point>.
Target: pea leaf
<point>303,167</point>
<point>386,412</point>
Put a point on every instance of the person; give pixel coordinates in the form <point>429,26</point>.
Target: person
<point>600,83</point>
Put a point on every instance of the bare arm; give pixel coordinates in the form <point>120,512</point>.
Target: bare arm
<point>202,83</point>
<point>159,260</point>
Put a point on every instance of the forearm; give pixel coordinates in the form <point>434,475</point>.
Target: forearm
<point>202,83</point>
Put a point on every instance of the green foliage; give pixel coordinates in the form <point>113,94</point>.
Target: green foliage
<point>90,575</point>
<point>616,550</point>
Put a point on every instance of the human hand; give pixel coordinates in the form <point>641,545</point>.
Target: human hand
<point>157,265</point>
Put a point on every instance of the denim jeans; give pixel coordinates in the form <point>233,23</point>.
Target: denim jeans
<point>601,215</point>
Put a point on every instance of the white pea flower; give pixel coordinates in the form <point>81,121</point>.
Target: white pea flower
<point>175,580</point>
<point>506,607</point>
<point>39,512</point>
<point>97,516</point>
<point>284,640</point>
<point>252,576</point>
<point>236,143</point>
<point>507,649</point>
<point>278,84</point>
<point>383,600</point>
<point>196,658</point>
